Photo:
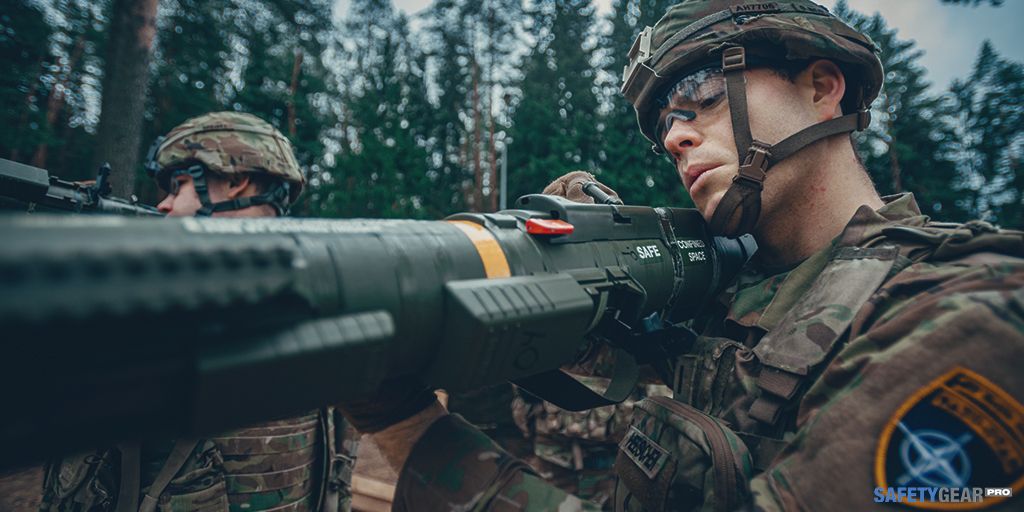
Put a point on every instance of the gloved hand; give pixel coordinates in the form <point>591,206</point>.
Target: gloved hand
<point>396,418</point>
<point>570,186</point>
<point>397,400</point>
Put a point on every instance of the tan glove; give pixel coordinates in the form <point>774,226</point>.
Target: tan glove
<point>570,186</point>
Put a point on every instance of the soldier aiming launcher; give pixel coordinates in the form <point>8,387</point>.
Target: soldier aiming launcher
<point>24,187</point>
<point>104,319</point>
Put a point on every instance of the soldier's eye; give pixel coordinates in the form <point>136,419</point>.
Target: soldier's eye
<point>175,185</point>
<point>711,102</point>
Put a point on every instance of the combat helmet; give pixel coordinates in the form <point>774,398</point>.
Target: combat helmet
<point>732,34</point>
<point>225,144</point>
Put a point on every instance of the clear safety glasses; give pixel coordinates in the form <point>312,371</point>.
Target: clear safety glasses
<point>693,96</point>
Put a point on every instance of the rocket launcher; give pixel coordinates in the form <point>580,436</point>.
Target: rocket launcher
<point>122,328</point>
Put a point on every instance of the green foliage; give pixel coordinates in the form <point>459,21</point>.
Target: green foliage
<point>554,124</point>
<point>450,52</point>
<point>395,117</point>
<point>990,115</point>
<point>381,170</point>
<point>54,53</point>
<point>627,163</point>
<point>23,91</point>
<point>285,80</point>
<point>902,150</point>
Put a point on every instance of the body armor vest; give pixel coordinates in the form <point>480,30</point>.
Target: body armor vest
<point>289,465</point>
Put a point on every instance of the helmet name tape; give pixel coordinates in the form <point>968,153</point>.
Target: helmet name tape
<point>756,8</point>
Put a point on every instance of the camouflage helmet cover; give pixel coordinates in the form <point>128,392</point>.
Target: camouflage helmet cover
<point>230,143</point>
<point>695,32</point>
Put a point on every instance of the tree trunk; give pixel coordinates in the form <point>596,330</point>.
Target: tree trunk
<point>895,171</point>
<point>125,80</point>
<point>492,151</point>
<point>55,102</point>
<point>478,198</point>
<point>292,90</point>
<point>26,109</point>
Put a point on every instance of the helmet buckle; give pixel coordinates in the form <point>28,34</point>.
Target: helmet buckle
<point>754,168</point>
<point>734,58</point>
<point>863,119</point>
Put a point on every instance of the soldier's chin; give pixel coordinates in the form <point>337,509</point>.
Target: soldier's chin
<point>708,211</point>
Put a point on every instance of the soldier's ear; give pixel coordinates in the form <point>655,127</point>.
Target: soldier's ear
<point>237,185</point>
<point>829,85</point>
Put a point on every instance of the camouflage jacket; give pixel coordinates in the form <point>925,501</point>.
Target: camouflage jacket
<point>890,359</point>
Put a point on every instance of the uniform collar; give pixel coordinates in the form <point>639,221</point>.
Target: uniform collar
<point>866,225</point>
<point>863,229</point>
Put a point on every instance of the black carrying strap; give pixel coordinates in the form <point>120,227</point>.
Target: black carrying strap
<point>179,454</point>
<point>744,195</point>
<point>566,392</point>
<point>131,476</point>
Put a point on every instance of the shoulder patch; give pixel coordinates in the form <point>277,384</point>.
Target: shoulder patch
<point>959,431</point>
<point>644,452</point>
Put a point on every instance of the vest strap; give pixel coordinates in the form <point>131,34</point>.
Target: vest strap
<point>131,475</point>
<point>179,454</point>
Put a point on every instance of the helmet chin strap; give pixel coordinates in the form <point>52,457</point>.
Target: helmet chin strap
<point>276,197</point>
<point>743,197</point>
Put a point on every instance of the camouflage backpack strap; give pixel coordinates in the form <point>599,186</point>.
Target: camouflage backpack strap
<point>179,454</point>
<point>806,335</point>
<point>341,446</point>
<point>131,474</point>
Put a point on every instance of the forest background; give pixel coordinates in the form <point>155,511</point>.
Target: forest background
<point>393,116</point>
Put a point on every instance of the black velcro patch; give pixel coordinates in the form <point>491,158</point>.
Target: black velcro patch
<point>644,452</point>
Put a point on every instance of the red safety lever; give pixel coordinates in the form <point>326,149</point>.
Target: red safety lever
<point>548,227</point>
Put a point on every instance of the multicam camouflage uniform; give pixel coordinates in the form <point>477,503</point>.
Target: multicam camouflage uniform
<point>278,465</point>
<point>295,464</point>
<point>890,358</point>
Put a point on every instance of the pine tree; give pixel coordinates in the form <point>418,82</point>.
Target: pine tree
<point>23,42</point>
<point>450,54</point>
<point>55,55</point>
<point>382,167</point>
<point>491,40</point>
<point>125,80</point>
<point>554,128</point>
<point>627,162</point>
<point>904,149</point>
<point>280,49</point>
<point>991,135</point>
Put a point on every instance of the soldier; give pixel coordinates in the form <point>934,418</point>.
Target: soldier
<point>220,164</point>
<point>864,351</point>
